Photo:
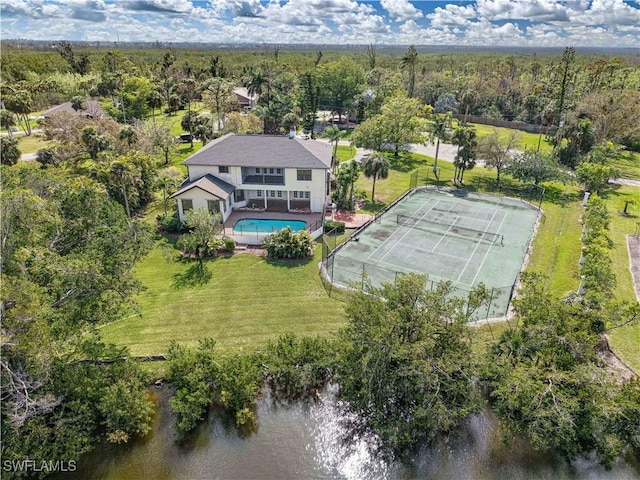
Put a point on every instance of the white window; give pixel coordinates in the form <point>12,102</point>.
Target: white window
<point>257,170</point>
<point>259,193</point>
<point>307,194</point>
<point>279,171</point>
<point>279,193</point>
<point>295,194</point>
<point>271,171</point>
<point>272,193</point>
<point>223,169</point>
<point>187,204</point>
<point>213,206</point>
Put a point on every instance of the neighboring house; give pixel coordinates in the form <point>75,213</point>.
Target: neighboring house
<point>92,109</point>
<point>245,99</point>
<point>264,172</point>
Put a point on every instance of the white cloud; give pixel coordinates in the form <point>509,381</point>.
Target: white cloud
<point>401,10</point>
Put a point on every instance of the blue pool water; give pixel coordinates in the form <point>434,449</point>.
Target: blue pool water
<point>253,225</point>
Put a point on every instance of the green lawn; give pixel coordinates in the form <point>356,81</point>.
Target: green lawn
<point>32,143</point>
<point>628,165</point>
<point>241,301</point>
<point>527,140</point>
<point>346,152</point>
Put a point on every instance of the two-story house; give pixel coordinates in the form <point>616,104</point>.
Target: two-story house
<point>263,172</point>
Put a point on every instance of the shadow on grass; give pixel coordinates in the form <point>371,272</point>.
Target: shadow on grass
<point>371,207</point>
<point>405,162</point>
<point>292,263</point>
<point>196,275</point>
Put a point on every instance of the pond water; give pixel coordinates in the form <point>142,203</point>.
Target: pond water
<point>259,225</point>
<point>302,440</point>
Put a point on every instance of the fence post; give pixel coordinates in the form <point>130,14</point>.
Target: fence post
<point>490,302</point>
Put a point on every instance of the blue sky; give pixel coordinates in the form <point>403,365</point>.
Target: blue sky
<point>605,23</point>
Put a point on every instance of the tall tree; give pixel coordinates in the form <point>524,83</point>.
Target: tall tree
<point>168,180</point>
<point>409,62</point>
<point>375,166</point>
<point>466,140</point>
<point>339,81</point>
<point>439,130</point>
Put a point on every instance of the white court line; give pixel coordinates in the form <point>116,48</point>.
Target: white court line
<point>477,245</point>
<point>445,234</point>
<point>487,252</point>
<point>398,229</point>
<point>406,233</point>
<point>424,250</point>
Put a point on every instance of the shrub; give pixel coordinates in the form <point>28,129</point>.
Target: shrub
<point>229,244</point>
<point>171,223</point>
<point>287,244</point>
<point>330,225</point>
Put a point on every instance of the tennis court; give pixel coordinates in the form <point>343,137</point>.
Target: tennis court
<point>449,234</point>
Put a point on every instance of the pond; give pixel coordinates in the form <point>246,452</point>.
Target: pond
<point>302,440</point>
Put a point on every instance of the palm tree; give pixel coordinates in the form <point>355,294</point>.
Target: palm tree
<point>168,179</point>
<point>128,135</point>
<point>438,131</point>
<point>334,134</point>
<point>466,140</point>
<point>375,165</point>
<point>409,62</point>
<point>154,100</point>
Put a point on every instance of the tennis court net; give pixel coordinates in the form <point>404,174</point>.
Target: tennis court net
<point>454,230</point>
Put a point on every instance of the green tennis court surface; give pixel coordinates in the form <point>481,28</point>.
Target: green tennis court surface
<point>449,234</point>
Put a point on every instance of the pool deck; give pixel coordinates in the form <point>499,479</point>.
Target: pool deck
<point>239,214</point>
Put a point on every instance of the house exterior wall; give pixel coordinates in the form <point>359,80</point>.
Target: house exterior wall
<point>317,186</point>
<point>200,201</point>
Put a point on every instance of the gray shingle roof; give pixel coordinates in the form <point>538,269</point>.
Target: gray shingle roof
<point>263,151</point>
<point>92,108</point>
<point>210,184</point>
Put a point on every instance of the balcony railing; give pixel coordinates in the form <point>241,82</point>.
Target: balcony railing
<point>263,180</point>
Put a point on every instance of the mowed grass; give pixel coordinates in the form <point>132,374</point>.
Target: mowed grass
<point>527,140</point>
<point>31,143</point>
<point>241,301</point>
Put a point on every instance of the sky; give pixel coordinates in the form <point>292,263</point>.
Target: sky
<point>536,23</point>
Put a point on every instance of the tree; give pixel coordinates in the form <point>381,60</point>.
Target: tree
<point>409,62</point>
<point>8,121</point>
<point>497,150</point>
<point>466,140</point>
<point>334,134</point>
<point>536,167</point>
<point>203,228</point>
<point>347,176</point>
<point>94,142</point>
<point>375,166</point>
<point>309,100</point>
<point>20,103</point>
<point>406,367</point>
<point>439,130</point>
<point>593,175</point>
<point>546,380</point>
<point>403,120</point>
<point>446,103</point>
<point>339,82</point>
<point>167,181</point>
<point>202,129</point>
<point>243,123</point>
<point>67,256</point>
<point>154,101</point>
<point>370,134</point>
<point>219,97</point>
<point>128,135</point>
<point>9,151</point>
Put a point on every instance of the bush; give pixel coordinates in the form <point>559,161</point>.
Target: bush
<point>287,244</point>
<point>229,244</point>
<point>171,223</point>
<point>330,225</point>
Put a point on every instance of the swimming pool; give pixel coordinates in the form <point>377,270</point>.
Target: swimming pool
<point>259,225</point>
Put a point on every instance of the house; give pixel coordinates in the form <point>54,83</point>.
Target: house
<point>268,173</point>
<point>245,99</point>
<point>92,109</point>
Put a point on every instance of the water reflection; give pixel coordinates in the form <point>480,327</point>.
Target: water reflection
<point>302,440</point>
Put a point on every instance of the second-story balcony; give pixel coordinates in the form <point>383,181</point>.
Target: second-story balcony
<point>249,176</point>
